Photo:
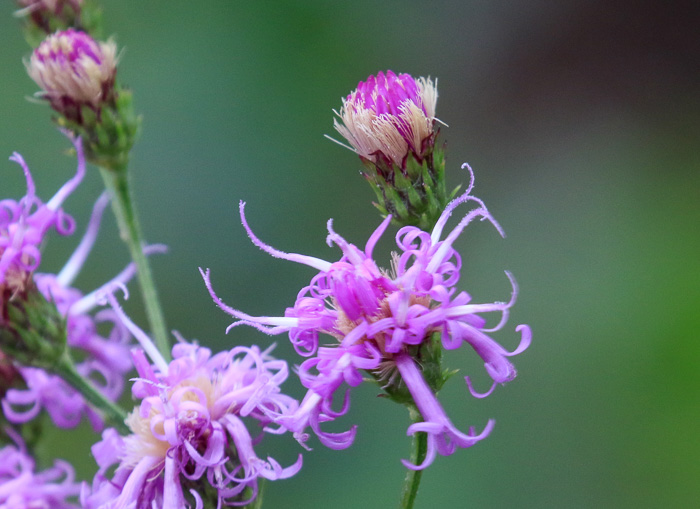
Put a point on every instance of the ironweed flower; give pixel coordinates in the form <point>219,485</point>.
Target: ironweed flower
<point>388,323</point>
<point>21,486</point>
<point>389,121</point>
<point>74,70</point>
<point>189,432</point>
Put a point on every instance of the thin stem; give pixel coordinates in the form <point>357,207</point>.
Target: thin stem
<point>112,412</point>
<point>419,447</point>
<point>116,181</point>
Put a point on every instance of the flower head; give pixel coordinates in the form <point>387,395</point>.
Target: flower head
<point>386,323</point>
<point>389,121</point>
<point>74,70</point>
<point>21,486</point>
<point>389,116</point>
<point>190,428</point>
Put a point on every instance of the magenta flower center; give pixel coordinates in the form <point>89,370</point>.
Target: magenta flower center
<point>70,46</point>
<point>385,93</point>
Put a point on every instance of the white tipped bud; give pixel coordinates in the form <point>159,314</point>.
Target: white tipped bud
<point>72,67</point>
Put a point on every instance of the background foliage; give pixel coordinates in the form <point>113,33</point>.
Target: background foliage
<point>581,120</point>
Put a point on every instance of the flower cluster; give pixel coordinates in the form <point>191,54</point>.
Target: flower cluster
<point>192,440</point>
<point>21,486</point>
<point>190,429</point>
<point>383,322</point>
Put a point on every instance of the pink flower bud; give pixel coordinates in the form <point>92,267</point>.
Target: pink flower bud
<point>73,69</point>
<point>389,115</point>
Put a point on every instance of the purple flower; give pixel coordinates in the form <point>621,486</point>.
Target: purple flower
<point>190,428</point>
<point>389,116</point>
<point>22,487</point>
<point>73,69</point>
<point>24,223</point>
<point>104,360</point>
<point>378,319</point>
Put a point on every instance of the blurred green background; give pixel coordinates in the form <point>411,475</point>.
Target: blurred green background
<point>581,120</point>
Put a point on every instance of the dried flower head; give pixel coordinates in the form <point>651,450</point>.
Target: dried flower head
<point>189,432</point>
<point>74,70</point>
<point>387,323</point>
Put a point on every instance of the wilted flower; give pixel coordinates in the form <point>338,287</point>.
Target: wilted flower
<point>388,323</point>
<point>389,121</point>
<point>189,432</point>
<point>74,70</point>
<point>22,487</point>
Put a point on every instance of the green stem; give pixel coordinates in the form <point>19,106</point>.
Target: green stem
<point>419,447</point>
<point>66,370</point>
<point>116,181</point>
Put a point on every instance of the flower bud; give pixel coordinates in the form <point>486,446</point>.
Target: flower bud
<point>389,116</point>
<point>43,17</point>
<point>74,70</point>
<point>78,78</point>
<point>389,121</point>
<point>50,15</point>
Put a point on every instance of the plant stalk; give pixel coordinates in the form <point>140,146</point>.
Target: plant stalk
<point>419,448</point>
<point>117,182</point>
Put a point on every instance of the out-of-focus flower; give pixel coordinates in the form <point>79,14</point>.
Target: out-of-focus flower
<point>24,223</point>
<point>43,17</point>
<point>189,432</point>
<point>390,324</point>
<point>22,487</point>
<point>42,314</point>
<point>74,70</point>
<point>389,121</point>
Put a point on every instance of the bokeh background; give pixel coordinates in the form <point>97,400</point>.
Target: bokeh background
<point>582,122</point>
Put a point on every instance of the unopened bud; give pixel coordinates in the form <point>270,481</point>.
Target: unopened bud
<point>389,121</point>
<point>43,17</point>
<point>78,77</point>
<point>74,70</point>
